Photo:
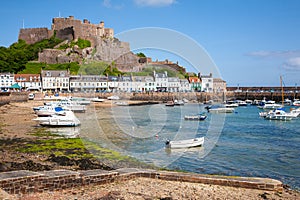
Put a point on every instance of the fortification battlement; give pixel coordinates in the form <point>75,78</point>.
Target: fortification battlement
<point>69,28</point>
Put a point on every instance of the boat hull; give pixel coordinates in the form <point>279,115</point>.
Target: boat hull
<point>196,142</point>
<point>195,117</point>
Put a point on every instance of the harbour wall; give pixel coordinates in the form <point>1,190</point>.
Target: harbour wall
<point>24,182</point>
<point>7,97</point>
<point>201,96</point>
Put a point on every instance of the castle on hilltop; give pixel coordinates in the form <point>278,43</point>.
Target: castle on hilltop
<point>67,29</point>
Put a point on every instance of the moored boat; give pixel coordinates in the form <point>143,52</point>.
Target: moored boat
<point>114,97</point>
<point>170,103</point>
<point>178,102</point>
<point>44,111</point>
<point>195,117</point>
<point>219,109</point>
<point>279,114</point>
<point>97,99</point>
<point>61,119</point>
<point>71,105</point>
<point>189,143</point>
<point>296,102</point>
<point>269,105</point>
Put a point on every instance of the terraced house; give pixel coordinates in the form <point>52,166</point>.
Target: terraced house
<point>6,81</point>
<point>88,83</point>
<point>62,81</point>
<point>55,80</point>
<point>29,81</point>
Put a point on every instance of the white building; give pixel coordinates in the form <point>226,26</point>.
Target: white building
<point>144,84</point>
<point>125,84</point>
<point>55,80</point>
<point>185,86</point>
<point>219,85</point>
<point>113,83</point>
<point>6,80</point>
<point>161,81</point>
<point>29,81</point>
<point>88,83</point>
<point>207,83</point>
<point>173,84</point>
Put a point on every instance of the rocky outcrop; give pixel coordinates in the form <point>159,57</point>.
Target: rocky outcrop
<point>54,56</point>
<point>106,50</point>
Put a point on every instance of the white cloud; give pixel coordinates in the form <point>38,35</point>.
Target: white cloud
<point>109,4</point>
<point>154,3</point>
<point>292,64</point>
<point>274,54</point>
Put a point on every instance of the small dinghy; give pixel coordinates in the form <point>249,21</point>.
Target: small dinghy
<point>195,117</point>
<point>196,142</point>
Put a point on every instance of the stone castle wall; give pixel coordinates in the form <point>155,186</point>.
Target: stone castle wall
<point>33,35</point>
<point>107,47</point>
<point>67,28</point>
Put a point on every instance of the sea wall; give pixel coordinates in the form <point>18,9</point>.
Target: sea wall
<point>164,96</point>
<point>4,98</point>
<point>7,97</point>
<point>23,182</point>
<point>276,96</point>
<point>19,96</point>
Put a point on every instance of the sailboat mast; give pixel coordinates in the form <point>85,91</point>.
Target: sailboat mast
<point>282,94</point>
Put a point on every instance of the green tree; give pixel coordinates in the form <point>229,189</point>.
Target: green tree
<point>141,55</point>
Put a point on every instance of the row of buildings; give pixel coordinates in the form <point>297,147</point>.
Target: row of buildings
<point>62,81</point>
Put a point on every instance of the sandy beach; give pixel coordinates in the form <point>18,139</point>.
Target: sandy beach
<point>16,124</point>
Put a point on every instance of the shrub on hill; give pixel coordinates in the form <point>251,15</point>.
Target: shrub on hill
<point>35,67</point>
<point>94,68</point>
<point>14,58</point>
<point>81,43</point>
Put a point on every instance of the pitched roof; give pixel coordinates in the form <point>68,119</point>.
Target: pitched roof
<point>27,77</point>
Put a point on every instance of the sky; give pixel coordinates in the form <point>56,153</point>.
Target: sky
<point>251,42</point>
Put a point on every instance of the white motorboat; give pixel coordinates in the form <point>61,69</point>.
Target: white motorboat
<point>196,142</point>
<point>44,111</point>
<point>248,101</point>
<point>200,117</point>
<point>97,99</point>
<point>114,97</point>
<point>178,102</point>
<point>65,118</point>
<point>219,109</point>
<point>242,103</point>
<point>295,112</point>
<point>170,104</point>
<point>80,100</point>
<point>279,114</point>
<point>296,102</point>
<point>71,105</point>
<point>231,104</point>
<point>121,103</point>
<point>269,105</point>
<point>287,102</point>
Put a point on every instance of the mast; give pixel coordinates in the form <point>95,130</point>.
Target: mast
<point>282,95</point>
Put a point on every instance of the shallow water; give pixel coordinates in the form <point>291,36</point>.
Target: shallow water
<point>236,144</point>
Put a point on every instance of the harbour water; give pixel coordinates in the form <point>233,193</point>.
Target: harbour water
<point>236,144</point>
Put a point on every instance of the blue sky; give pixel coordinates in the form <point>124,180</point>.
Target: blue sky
<point>252,42</point>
